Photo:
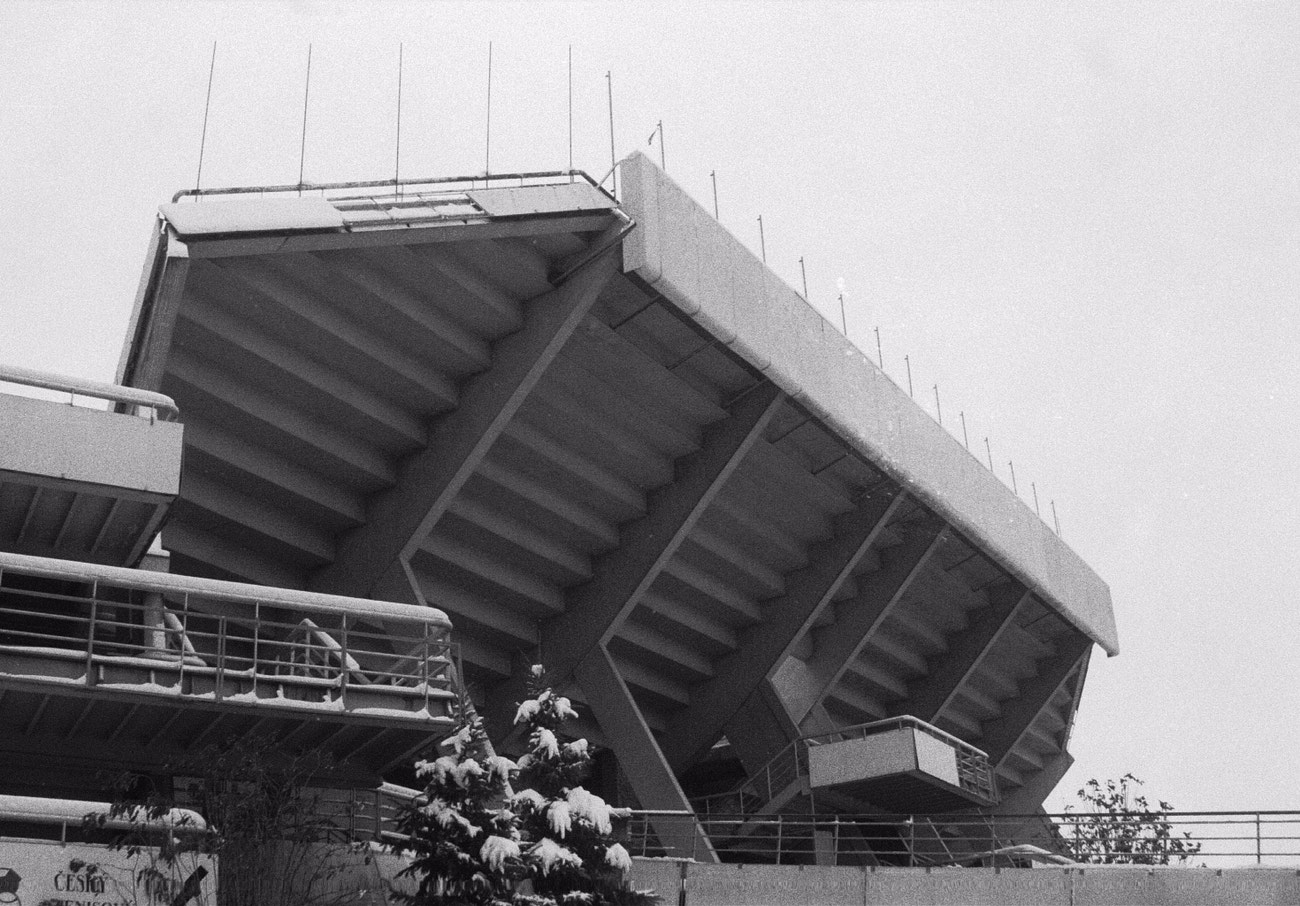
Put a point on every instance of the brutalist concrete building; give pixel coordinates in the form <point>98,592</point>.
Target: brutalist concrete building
<point>403,439</point>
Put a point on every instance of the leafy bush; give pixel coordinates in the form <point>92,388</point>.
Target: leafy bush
<point>1118,828</point>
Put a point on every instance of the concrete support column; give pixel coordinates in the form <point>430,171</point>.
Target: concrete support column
<point>638,753</point>
<point>155,629</point>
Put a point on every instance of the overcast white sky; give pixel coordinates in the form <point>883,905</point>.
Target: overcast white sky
<point>1081,221</point>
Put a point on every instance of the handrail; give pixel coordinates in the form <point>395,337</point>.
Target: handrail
<point>73,812</point>
<point>381,183</point>
<point>185,637</point>
<point>163,405</point>
<point>1213,839</point>
<point>860,731</point>
<point>218,589</point>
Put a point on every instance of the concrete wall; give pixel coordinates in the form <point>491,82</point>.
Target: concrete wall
<point>684,253</point>
<point>55,440</point>
<point>773,885</point>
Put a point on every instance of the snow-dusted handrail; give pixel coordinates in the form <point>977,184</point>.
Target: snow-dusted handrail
<point>163,405</point>
<point>36,810</point>
<point>217,589</point>
<point>255,646</point>
<point>404,185</point>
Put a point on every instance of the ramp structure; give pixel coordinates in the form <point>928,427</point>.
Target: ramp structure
<point>600,433</point>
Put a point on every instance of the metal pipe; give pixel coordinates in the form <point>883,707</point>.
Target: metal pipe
<point>217,589</point>
<point>165,406</point>
<point>377,183</point>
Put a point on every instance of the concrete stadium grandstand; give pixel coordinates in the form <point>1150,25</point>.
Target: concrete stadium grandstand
<point>406,439</point>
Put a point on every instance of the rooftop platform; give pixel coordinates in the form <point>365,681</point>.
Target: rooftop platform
<point>600,433</point>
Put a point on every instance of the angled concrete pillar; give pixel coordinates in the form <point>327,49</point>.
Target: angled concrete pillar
<point>761,729</point>
<point>1002,733</point>
<point>763,647</point>
<point>839,643</point>
<point>639,756</point>
<point>929,695</point>
<point>398,518</point>
<point>595,611</point>
<point>1018,818</point>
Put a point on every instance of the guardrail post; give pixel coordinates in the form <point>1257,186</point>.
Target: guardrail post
<point>1259,846</point>
<point>424,668</point>
<point>221,657</point>
<point>180,643</point>
<point>90,633</point>
<point>343,663</point>
<point>257,633</point>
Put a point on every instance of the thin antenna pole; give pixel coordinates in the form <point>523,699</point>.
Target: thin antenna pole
<point>989,451</point>
<point>570,113</point>
<point>938,408</point>
<point>613,164</point>
<point>880,355</point>
<point>663,161</point>
<point>804,271</point>
<point>964,436</point>
<point>1036,509</point>
<point>713,175</point>
<point>397,156</point>
<point>306,93</point>
<point>207,105</point>
<point>844,324</point>
<point>1013,476</point>
<point>908,362</point>
<point>1056,520</point>
<point>762,243</point>
<point>487,143</point>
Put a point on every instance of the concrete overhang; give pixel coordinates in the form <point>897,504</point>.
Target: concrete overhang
<point>681,251</point>
<point>663,468</point>
<point>84,483</point>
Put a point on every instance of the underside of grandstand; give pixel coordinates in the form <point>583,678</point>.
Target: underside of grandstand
<point>402,440</point>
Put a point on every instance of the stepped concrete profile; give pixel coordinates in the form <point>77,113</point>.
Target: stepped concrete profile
<point>599,433</point>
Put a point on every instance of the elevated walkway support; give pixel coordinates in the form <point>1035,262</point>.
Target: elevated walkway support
<point>128,667</point>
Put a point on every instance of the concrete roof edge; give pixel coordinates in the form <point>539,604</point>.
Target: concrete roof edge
<point>686,255</point>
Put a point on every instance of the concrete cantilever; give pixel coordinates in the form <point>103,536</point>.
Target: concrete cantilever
<point>694,262</point>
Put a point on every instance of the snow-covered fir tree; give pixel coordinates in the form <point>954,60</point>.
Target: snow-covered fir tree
<point>569,843</point>
<point>475,843</point>
<point>463,839</point>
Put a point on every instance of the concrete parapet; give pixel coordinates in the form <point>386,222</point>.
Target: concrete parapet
<point>693,261</point>
<point>783,885</point>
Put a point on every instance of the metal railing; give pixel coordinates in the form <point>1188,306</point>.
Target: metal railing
<point>1211,839</point>
<point>128,399</point>
<point>361,815</point>
<point>180,635</point>
<point>790,766</point>
<point>24,812</point>
<point>405,201</point>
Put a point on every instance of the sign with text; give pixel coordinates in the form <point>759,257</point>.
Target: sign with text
<point>48,873</point>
